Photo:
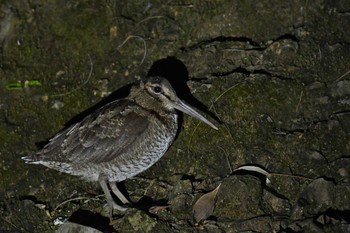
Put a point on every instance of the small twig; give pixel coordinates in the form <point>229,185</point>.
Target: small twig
<point>227,159</point>
<point>76,199</point>
<point>13,225</point>
<point>152,17</point>
<point>160,182</point>
<point>223,93</point>
<point>210,108</point>
<point>144,44</point>
<point>300,98</point>
<point>346,73</point>
<point>292,176</point>
<point>320,53</point>
<point>85,82</point>
<point>226,127</point>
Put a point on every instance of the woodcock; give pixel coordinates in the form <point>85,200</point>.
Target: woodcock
<point>119,140</point>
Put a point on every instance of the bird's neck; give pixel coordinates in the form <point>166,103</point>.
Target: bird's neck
<point>154,106</point>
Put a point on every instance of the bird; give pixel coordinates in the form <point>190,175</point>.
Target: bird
<point>119,140</point>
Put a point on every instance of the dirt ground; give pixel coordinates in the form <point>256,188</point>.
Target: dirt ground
<point>274,75</point>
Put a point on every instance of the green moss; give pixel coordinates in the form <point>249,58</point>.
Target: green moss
<point>141,222</point>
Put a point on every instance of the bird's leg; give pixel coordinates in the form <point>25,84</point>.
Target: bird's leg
<point>110,201</point>
<point>116,191</point>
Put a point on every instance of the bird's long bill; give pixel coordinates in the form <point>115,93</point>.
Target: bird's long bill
<point>179,105</point>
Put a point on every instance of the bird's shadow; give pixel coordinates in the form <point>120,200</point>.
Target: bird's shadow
<point>90,219</point>
<point>176,73</point>
<point>102,223</point>
<point>170,68</point>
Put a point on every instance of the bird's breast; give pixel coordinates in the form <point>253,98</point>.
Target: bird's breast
<point>147,149</point>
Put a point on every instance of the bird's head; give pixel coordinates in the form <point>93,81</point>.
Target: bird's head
<point>159,92</point>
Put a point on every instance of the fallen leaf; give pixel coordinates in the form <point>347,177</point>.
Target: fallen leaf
<point>204,206</point>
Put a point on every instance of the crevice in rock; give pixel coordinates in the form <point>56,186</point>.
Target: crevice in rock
<point>223,39</point>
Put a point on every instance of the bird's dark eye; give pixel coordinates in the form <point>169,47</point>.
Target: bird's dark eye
<point>157,89</point>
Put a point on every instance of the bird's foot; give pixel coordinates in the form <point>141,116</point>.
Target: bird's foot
<point>110,209</point>
<point>117,207</point>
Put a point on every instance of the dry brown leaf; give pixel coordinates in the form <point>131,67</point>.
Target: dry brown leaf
<point>204,206</point>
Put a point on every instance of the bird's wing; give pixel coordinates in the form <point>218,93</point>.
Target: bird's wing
<point>100,137</point>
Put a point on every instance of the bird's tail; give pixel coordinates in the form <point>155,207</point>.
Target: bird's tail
<point>32,159</point>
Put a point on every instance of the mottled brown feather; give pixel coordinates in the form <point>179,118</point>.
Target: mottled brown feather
<point>96,138</point>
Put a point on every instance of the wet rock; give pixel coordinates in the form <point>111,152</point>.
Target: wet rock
<point>276,75</point>
<point>181,198</point>
<point>340,170</point>
<point>276,205</point>
<point>341,88</point>
<point>258,224</point>
<point>231,204</point>
<point>317,197</point>
<point>139,221</point>
<point>71,227</point>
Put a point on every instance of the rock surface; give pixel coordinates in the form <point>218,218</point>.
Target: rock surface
<point>275,73</point>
